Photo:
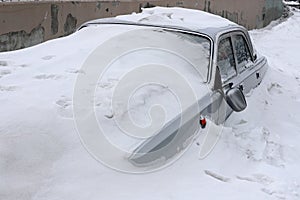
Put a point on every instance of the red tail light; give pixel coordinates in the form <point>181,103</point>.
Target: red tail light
<point>202,122</point>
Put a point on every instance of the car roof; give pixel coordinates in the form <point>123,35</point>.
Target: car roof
<point>174,18</point>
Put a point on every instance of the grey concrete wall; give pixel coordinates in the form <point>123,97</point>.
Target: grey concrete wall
<point>251,14</point>
<point>23,24</point>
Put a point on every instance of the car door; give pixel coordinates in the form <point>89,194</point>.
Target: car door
<point>226,63</point>
<point>236,64</point>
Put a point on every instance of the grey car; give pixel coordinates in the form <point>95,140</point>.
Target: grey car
<point>233,70</point>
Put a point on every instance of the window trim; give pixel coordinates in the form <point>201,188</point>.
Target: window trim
<point>222,37</point>
<point>238,66</point>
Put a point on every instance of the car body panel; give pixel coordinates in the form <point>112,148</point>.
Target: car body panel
<point>211,105</point>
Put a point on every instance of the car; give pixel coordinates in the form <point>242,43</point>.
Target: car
<point>228,63</point>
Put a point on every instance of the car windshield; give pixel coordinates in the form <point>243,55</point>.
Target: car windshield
<point>198,48</point>
<point>184,52</point>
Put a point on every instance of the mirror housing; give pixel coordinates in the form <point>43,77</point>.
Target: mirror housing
<point>236,99</point>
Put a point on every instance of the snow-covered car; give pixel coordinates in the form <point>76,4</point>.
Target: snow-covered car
<point>223,54</point>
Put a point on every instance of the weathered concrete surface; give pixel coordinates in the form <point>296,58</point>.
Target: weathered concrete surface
<point>24,24</point>
<point>20,39</point>
<point>251,14</point>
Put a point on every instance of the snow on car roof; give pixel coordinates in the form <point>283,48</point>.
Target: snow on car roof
<point>182,18</point>
<point>178,16</point>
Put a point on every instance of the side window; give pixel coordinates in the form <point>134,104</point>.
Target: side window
<point>226,62</point>
<point>242,51</point>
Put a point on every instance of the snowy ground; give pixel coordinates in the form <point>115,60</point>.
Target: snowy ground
<point>41,156</point>
<point>291,3</point>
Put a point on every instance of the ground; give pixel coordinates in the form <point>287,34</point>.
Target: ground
<point>41,156</point>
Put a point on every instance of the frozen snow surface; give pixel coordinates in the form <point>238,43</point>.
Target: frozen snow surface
<point>291,3</point>
<point>41,156</point>
<point>178,16</point>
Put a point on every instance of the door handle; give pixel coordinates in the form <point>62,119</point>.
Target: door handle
<point>257,75</point>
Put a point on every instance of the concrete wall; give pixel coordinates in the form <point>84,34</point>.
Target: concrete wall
<point>24,24</point>
<point>249,13</point>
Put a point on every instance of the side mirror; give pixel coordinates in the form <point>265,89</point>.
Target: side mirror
<point>236,99</point>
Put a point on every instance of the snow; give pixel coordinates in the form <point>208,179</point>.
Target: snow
<point>41,156</point>
<point>291,3</point>
<point>178,16</point>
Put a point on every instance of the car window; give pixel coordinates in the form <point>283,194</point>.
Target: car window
<point>242,51</point>
<point>183,52</point>
<point>199,50</point>
<point>226,62</point>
